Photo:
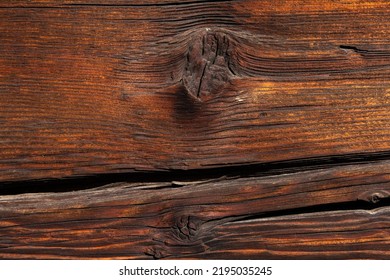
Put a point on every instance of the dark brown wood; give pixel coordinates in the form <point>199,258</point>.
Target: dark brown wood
<point>358,234</point>
<point>194,129</point>
<point>222,218</point>
<point>121,86</point>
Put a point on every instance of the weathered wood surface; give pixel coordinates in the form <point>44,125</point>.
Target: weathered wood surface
<point>252,217</point>
<point>240,129</point>
<point>120,86</point>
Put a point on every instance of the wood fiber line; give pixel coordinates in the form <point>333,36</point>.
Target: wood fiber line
<point>222,218</point>
<point>273,6</point>
<point>125,86</point>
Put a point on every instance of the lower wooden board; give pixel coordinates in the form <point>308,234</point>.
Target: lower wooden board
<point>358,234</point>
<point>248,217</point>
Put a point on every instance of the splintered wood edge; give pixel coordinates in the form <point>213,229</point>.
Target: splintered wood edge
<point>205,219</point>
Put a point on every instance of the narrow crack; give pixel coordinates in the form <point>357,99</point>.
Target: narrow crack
<point>317,209</point>
<point>201,79</point>
<point>167,4</point>
<point>204,173</point>
<point>352,48</point>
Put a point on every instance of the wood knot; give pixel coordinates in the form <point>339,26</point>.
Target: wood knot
<point>374,197</point>
<point>187,228</point>
<point>156,253</point>
<point>210,64</point>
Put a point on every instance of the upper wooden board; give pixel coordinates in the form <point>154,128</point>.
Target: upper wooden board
<point>89,87</point>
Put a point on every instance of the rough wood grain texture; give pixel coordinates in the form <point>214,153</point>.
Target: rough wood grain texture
<point>358,234</point>
<point>224,218</point>
<point>89,87</point>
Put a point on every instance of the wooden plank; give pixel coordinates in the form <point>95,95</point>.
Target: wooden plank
<point>359,234</point>
<point>122,86</point>
<point>223,218</point>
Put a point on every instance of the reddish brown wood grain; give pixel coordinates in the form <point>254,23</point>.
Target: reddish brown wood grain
<point>100,87</point>
<point>252,217</point>
<point>359,234</point>
<point>288,101</point>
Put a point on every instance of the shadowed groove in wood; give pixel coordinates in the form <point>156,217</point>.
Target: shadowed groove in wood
<point>243,171</point>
